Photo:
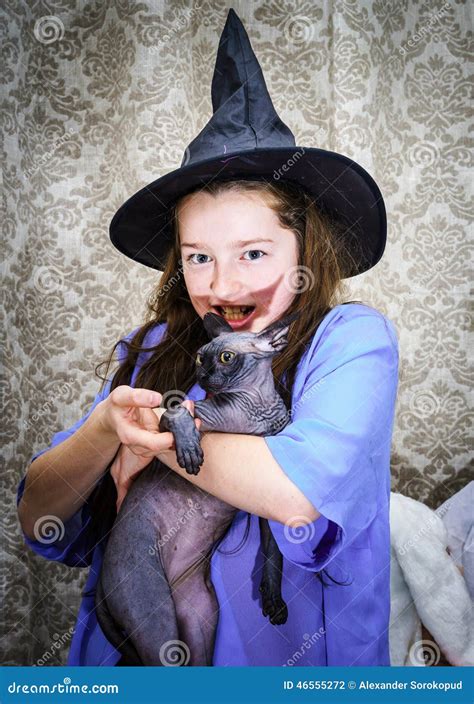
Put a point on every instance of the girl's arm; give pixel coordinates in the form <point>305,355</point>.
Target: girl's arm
<point>334,445</point>
<point>240,470</point>
<point>59,481</point>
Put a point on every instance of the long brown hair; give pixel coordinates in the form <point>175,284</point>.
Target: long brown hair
<point>318,282</point>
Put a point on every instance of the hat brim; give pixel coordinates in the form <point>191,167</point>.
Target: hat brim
<point>341,188</point>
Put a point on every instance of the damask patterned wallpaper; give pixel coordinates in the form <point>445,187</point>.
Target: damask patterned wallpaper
<point>100,98</point>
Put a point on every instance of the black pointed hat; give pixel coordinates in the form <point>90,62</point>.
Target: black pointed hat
<point>246,139</point>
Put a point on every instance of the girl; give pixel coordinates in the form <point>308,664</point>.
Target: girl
<point>323,482</point>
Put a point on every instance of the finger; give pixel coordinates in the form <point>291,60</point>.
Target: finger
<point>149,420</point>
<point>128,396</point>
<point>154,442</point>
<point>142,453</point>
<point>189,404</point>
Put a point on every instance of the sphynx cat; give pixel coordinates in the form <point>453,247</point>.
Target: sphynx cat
<point>155,601</point>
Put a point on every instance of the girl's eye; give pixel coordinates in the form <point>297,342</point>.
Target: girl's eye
<point>255,250</point>
<point>249,251</point>
<point>190,258</point>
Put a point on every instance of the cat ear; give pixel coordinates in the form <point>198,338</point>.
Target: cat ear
<point>275,337</point>
<point>215,325</point>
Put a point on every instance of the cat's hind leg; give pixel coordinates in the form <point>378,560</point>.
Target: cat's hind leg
<point>112,630</point>
<point>197,612</point>
<point>273,604</point>
<point>141,605</point>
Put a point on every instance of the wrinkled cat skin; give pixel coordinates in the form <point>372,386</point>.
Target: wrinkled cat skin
<point>154,586</point>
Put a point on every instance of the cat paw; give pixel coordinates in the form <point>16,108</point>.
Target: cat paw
<point>189,452</point>
<point>187,438</point>
<point>273,605</point>
<point>190,457</point>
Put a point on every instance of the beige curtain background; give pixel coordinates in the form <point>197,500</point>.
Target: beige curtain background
<point>100,98</point>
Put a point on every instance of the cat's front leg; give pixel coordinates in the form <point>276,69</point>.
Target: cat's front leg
<point>214,417</point>
<point>187,438</point>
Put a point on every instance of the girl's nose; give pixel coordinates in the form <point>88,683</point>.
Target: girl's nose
<point>226,288</point>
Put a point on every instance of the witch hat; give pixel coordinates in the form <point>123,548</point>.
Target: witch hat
<point>246,139</point>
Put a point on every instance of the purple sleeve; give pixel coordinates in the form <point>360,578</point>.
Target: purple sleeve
<point>301,545</point>
<point>67,542</point>
<point>336,449</point>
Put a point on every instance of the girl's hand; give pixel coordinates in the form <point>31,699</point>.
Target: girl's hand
<point>125,469</point>
<point>129,414</point>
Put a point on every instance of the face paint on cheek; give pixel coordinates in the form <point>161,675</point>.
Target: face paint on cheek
<point>264,297</point>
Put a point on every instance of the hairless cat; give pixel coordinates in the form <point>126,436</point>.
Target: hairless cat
<point>154,592</point>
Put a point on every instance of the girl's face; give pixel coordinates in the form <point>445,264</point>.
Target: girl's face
<point>236,253</point>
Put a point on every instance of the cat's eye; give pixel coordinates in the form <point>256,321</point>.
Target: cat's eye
<point>226,356</point>
<point>198,359</point>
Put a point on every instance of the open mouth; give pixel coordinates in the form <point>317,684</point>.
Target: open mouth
<point>234,312</point>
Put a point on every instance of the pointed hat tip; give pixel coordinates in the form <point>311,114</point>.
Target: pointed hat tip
<point>232,15</point>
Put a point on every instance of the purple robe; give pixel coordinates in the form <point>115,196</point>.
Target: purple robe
<point>336,449</point>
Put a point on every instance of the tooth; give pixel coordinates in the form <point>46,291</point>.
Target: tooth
<point>234,309</point>
<point>235,312</point>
